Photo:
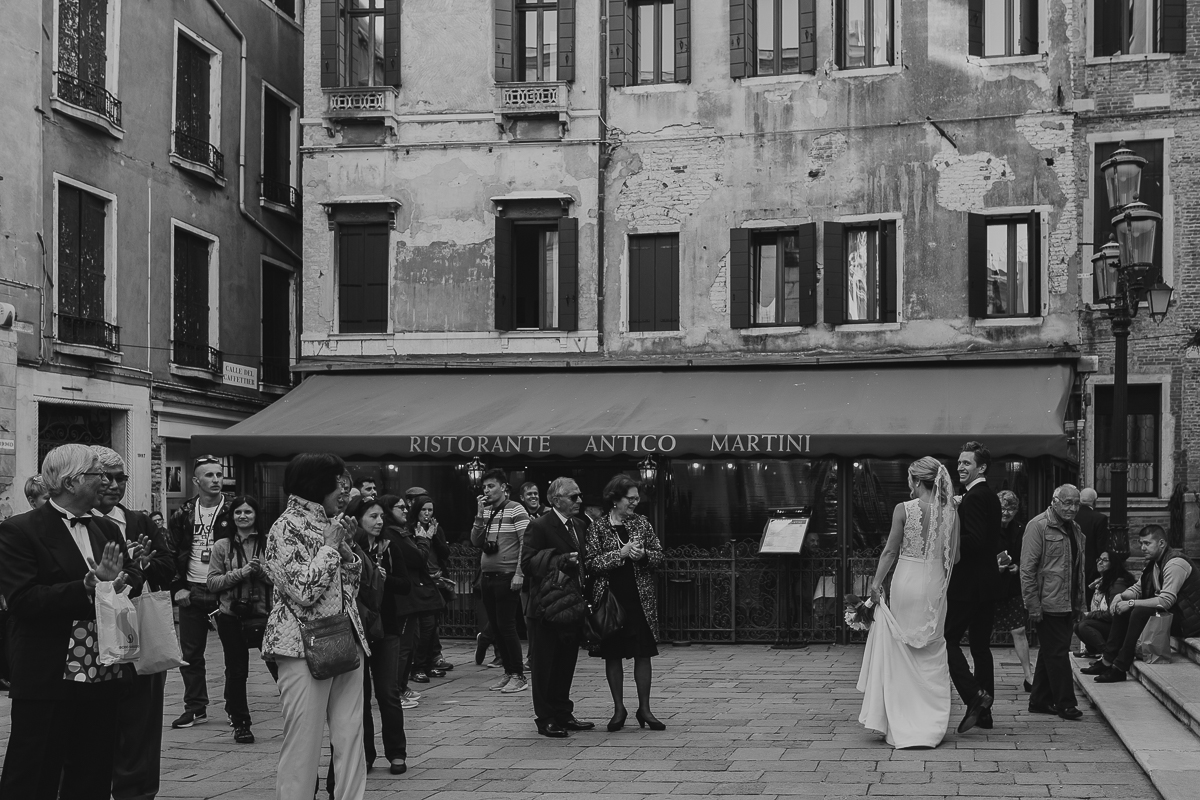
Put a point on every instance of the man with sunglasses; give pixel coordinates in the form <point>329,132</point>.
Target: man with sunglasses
<point>194,528</point>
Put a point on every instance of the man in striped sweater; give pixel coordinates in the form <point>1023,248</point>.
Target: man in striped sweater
<point>498,530</point>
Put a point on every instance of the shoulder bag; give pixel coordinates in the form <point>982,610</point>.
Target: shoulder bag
<point>605,618</point>
<point>330,644</point>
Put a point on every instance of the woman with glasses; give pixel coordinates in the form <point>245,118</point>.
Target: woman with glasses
<point>1093,629</point>
<point>622,553</point>
<point>428,536</point>
<point>1010,612</point>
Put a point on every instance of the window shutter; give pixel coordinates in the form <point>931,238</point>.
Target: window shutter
<point>566,40</point>
<point>683,41</point>
<point>975,27</point>
<point>92,212</point>
<point>503,288</point>
<point>641,259</point>
<point>68,249</point>
<point>741,38</point>
<point>887,262</point>
<point>391,43</point>
<point>192,90</point>
<point>1030,39</point>
<point>739,278</point>
<point>375,279</point>
<point>808,36</point>
<point>92,39</point>
<point>504,43</point>
<point>666,282</point>
<point>568,273</point>
<point>620,43</point>
<point>835,273</point>
<point>191,293</point>
<point>1035,264</point>
<point>807,240</point>
<point>330,43</point>
<point>1174,26</point>
<point>977,258</point>
<point>362,278</point>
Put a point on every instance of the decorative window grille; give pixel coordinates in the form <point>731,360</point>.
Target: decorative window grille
<point>191,301</point>
<point>83,57</point>
<point>81,279</point>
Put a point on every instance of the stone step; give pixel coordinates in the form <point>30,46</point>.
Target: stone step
<point>1166,750</point>
<point>1187,647</point>
<point>1175,684</point>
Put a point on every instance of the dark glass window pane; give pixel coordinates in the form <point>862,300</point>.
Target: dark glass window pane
<point>765,37</point>
<point>856,33</point>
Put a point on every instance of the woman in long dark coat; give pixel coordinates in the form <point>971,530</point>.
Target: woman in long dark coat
<point>622,553</point>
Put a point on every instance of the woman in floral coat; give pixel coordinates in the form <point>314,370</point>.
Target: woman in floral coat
<point>316,575</point>
<point>622,553</point>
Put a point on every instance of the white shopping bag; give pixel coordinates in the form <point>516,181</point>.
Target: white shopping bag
<point>116,625</point>
<point>159,646</point>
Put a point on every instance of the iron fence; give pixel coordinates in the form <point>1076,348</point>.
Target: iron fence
<point>199,151</point>
<point>91,332</point>
<point>89,96</point>
<point>198,356</point>
<point>279,192</point>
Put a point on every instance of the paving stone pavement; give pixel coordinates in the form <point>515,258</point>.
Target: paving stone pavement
<point>742,721</point>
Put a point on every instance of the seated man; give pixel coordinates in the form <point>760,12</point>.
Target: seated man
<point>1170,582</point>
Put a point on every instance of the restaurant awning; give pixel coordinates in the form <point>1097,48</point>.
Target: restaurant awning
<point>913,410</point>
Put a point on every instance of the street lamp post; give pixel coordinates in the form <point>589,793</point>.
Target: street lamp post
<point>1120,272</point>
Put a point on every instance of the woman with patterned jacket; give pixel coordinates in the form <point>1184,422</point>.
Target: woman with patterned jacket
<point>622,553</point>
<point>316,575</point>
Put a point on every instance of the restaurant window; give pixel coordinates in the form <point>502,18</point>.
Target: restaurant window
<point>860,272</point>
<point>785,36</point>
<point>538,29</point>
<point>537,266</point>
<point>1143,438</point>
<point>649,41</point>
<point>82,77</point>
<point>276,325</point>
<point>197,110</point>
<point>360,43</point>
<point>654,282</point>
<point>1004,265</point>
<point>1152,193</point>
<point>864,34</point>
<point>278,183</point>
<point>362,281</point>
<point>1135,27</point>
<point>654,42</point>
<point>1000,28</point>
<point>82,265</point>
<point>194,302</point>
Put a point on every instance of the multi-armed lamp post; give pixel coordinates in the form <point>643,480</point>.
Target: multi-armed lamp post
<point>1124,276</point>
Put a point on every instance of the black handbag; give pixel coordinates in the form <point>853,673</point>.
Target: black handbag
<point>330,644</point>
<point>605,619</point>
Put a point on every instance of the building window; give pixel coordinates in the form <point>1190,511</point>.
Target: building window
<point>1000,28</point>
<point>654,42</point>
<point>776,278</point>
<point>194,299</point>
<point>60,424</point>
<point>288,7</point>
<point>536,273</point>
<point>538,21</point>
<point>276,325</point>
<point>861,275</point>
<point>363,278</point>
<point>649,41</point>
<point>1152,193</point>
<point>1132,27</point>
<point>278,180</point>
<point>360,43</point>
<point>1004,265</point>
<point>1144,441</point>
<point>82,77</point>
<point>82,256</point>
<point>197,116</point>
<point>864,34</point>
<point>785,37</point>
<point>654,282</point>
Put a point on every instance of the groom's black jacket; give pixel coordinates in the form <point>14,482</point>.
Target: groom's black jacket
<point>976,574</point>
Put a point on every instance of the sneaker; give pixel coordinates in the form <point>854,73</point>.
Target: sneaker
<point>406,704</point>
<point>519,683</point>
<point>419,677</point>
<point>494,663</point>
<point>189,718</point>
<point>242,735</point>
<point>412,694</point>
<point>443,665</point>
<point>436,673</point>
<point>481,648</point>
<point>499,687</point>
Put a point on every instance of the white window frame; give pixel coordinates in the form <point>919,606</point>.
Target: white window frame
<point>335,312</point>
<point>112,70</point>
<point>623,324</point>
<point>292,321</point>
<point>1033,320</point>
<point>1089,36</point>
<point>1166,231</point>
<point>110,247</point>
<point>214,83</point>
<point>214,282</point>
<point>858,220</point>
<point>1166,476</point>
<point>293,141</point>
<point>866,72</point>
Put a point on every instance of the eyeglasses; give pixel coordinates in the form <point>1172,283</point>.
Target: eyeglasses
<point>117,477</point>
<point>576,496</point>
<point>104,476</point>
<point>633,498</point>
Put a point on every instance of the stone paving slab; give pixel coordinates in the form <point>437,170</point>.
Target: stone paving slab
<point>743,721</point>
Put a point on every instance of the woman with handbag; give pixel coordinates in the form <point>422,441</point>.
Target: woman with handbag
<point>1009,614</point>
<point>622,553</point>
<point>1093,629</point>
<point>237,577</point>
<point>314,631</point>
<point>428,536</point>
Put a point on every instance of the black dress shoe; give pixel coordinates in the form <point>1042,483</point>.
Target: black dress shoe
<point>985,721</point>
<point>573,724</point>
<point>1110,675</point>
<point>398,767</point>
<point>981,703</point>
<point>1042,708</point>
<point>1097,667</point>
<point>551,729</point>
<point>1070,712</point>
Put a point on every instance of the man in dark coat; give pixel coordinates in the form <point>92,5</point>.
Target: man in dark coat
<point>973,588</point>
<point>51,560</point>
<point>554,541</point>
<point>1095,532</point>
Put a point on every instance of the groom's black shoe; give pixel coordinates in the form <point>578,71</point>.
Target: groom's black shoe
<point>985,721</point>
<point>981,703</point>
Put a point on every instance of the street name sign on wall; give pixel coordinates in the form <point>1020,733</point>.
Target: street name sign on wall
<point>238,375</point>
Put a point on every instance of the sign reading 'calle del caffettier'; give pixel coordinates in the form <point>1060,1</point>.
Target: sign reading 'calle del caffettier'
<point>627,443</point>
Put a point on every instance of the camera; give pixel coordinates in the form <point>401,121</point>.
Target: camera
<point>491,546</point>
<point>241,607</point>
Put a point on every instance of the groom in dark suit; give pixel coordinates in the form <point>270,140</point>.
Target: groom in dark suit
<point>554,540</point>
<point>973,588</point>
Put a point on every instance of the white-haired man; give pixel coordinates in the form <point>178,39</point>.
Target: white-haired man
<point>51,560</point>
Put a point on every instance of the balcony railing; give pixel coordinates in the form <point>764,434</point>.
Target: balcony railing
<point>361,104</point>
<point>89,332</point>
<point>198,356</point>
<point>89,96</point>
<point>531,99</point>
<point>199,151</point>
<point>279,192</point>
<point>276,372</point>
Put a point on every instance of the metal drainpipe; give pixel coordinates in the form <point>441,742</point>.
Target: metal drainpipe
<point>602,170</point>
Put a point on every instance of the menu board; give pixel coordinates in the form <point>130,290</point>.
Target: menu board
<point>784,535</point>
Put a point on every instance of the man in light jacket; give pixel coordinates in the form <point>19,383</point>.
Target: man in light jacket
<point>1052,584</point>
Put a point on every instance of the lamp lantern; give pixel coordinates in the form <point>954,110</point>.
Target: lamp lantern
<point>1123,177</point>
<point>1158,297</point>
<point>475,471</point>
<point>1106,266</point>
<point>1137,231</point>
<point>648,470</point>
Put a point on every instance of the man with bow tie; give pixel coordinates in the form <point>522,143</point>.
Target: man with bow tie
<point>51,560</point>
<point>554,541</point>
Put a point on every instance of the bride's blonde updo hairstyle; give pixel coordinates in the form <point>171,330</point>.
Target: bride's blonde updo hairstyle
<point>925,471</point>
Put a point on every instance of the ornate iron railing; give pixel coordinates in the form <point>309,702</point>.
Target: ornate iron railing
<point>199,151</point>
<point>278,192</point>
<point>516,99</point>
<point>90,332</point>
<point>276,372</point>
<point>198,356</point>
<point>89,96</point>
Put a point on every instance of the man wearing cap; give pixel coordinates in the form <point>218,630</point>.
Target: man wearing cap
<point>193,529</point>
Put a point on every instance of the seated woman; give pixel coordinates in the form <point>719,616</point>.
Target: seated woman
<point>1093,629</point>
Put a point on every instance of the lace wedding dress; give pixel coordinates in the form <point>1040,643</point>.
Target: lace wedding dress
<point>905,678</point>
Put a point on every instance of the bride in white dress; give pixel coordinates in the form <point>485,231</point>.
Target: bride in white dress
<point>905,678</point>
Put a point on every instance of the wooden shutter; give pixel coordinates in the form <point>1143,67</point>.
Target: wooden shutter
<point>391,43</point>
<point>739,278</point>
<point>504,44</point>
<point>683,40</point>
<point>191,295</point>
<point>742,48</point>
<point>1035,263</point>
<point>808,36</point>
<point>620,43</point>
<point>806,236</point>
<point>666,282</point>
<point>68,249</point>
<point>92,213</point>
<point>835,273</point>
<point>566,40</point>
<point>331,43</point>
<point>362,278</point>
<point>977,266</point>
<point>504,276</point>
<point>1174,26</point>
<point>887,266</point>
<point>568,273</point>
<point>1030,39</point>
<point>192,90</point>
<point>93,41</point>
<point>975,27</point>
<point>641,259</point>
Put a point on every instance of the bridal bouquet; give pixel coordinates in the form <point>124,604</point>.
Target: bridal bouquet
<point>859,613</point>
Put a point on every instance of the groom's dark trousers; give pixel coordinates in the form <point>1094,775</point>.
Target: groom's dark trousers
<point>972,592</point>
